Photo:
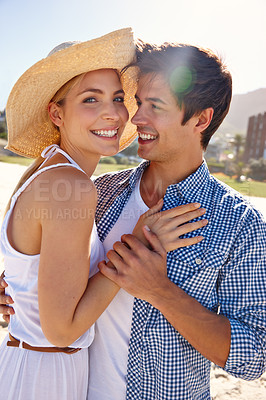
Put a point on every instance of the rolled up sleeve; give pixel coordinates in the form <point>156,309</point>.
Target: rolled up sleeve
<point>242,298</point>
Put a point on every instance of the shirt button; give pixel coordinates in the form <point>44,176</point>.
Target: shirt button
<point>198,261</point>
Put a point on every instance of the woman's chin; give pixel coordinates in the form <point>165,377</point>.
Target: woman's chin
<point>110,152</point>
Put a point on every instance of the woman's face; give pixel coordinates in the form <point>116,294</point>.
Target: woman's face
<point>93,115</point>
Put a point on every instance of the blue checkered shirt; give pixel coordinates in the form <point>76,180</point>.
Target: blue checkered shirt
<point>225,273</point>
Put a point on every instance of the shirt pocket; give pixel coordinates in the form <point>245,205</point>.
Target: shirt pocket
<point>196,270</point>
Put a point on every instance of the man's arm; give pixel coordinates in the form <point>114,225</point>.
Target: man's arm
<point>242,294</point>
<point>143,274</point>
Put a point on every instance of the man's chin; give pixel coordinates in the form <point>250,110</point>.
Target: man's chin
<point>146,156</point>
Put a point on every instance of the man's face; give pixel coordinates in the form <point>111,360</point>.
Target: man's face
<point>162,137</point>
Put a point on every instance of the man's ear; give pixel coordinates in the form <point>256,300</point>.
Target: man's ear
<point>54,111</point>
<point>204,119</point>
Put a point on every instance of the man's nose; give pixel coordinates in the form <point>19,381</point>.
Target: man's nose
<point>139,118</point>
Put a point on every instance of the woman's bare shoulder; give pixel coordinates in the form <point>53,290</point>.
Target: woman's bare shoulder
<point>62,188</point>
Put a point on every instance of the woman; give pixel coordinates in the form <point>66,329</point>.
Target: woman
<point>73,97</point>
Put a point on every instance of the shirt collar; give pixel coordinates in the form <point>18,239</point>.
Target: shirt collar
<point>135,175</point>
<point>190,187</point>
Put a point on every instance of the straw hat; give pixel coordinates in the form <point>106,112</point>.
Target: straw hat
<point>29,127</point>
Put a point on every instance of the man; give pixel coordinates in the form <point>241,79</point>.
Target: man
<point>201,303</point>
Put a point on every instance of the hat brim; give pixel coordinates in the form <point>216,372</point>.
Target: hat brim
<point>29,126</point>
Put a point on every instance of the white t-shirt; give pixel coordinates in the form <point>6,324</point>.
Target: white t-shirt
<point>109,350</point>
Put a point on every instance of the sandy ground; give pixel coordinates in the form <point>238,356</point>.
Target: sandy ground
<point>223,386</point>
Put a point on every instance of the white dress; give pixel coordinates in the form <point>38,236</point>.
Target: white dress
<point>27,374</point>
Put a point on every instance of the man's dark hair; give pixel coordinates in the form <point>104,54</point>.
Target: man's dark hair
<point>196,76</point>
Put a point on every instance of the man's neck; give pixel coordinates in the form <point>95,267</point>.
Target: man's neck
<point>158,176</point>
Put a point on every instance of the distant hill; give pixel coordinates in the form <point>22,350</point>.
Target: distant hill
<point>242,107</point>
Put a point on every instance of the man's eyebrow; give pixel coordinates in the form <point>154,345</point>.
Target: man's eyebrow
<point>153,99</point>
<point>99,91</point>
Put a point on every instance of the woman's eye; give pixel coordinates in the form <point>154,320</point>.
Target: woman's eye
<point>119,99</point>
<point>89,100</point>
<point>155,107</point>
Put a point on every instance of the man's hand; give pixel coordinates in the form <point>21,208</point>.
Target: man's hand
<point>5,300</point>
<point>138,270</point>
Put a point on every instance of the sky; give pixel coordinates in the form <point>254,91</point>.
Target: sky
<point>234,29</point>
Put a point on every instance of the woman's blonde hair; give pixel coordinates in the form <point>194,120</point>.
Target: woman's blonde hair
<point>58,98</point>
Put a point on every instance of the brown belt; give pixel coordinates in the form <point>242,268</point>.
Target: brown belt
<point>13,342</point>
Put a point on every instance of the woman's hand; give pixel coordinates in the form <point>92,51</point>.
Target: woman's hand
<point>169,225</point>
<point>5,309</point>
